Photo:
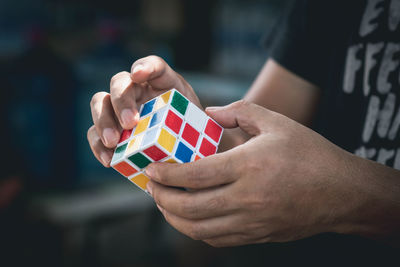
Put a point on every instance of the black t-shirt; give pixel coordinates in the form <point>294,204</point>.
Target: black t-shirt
<point>350,49</point>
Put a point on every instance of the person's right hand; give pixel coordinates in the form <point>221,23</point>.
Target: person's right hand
<point>117,110</point>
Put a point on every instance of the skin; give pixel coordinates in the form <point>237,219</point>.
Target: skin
<point>118,109</point>
<point>277,180</point>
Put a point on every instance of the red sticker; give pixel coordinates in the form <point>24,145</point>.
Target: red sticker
<point>155,153</point>
<point>207,148</point>
<point>173,121</point>
<point>190,135</point>
<point>213,130</point>
<point>125,135</point>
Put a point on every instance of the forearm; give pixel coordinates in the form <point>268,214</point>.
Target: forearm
<point>373,206</point>
<point>280,90</point>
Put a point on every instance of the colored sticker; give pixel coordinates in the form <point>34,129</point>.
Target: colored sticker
<point>125,169</point>
<point>173,121</point>
<point>213,130</point>
<point>147,108</point>
<point>207,148</point>
<point>162,100</point>
<point>155,153</point>
<point>125,135</point>
<point>157,118</point>
<point>139,160</point>
<point>190,135</point>
<point>119,152</point>
<point>166,140</point>
<point>183,152</point>
<point>140,180</point>
<point>171,160</point>
<point>142,125</point>
<point>179,102</point>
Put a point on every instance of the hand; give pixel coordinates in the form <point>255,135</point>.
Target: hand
<point>117,110</point>
<point>283,184</point>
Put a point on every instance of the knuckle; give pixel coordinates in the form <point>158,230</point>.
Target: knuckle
<point>193,177</point>
<point>89,133</point>
<point>255,166</point>
<point>255,202</point>
<point>155,59</point>
<point>96,97</point>
<point>159,65</point>
<point>216,203</point>
<point>163,177</point>
<point>119,84</point>
<point>188,208</point>
<point>242,103</point>
<point>116,77</point>
<point>158,197</point>
<point>226,167</point>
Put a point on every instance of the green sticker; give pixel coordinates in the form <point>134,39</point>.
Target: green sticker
<point>140,160</point>
<point>119,152</point>
<point>179,102</point>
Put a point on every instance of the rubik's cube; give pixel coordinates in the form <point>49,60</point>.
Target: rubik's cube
<point>170,129</point>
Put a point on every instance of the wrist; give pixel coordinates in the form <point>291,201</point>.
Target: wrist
<point>370,200</point>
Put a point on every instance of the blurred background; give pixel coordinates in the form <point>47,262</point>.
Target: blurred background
<point>58,205</point>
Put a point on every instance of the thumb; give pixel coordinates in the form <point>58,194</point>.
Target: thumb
<point>251,118</point>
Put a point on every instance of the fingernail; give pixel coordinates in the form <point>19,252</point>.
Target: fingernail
<point>149,188</point>
<point>137,117</point>
<point>149,171</point>
<point>105,158</point>
<point>137,68</point>
<point>127,117</point>
<point>110,136</point>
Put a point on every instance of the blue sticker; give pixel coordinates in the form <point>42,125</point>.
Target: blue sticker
<point>157,118</point>
<point>183,152</point>
<point>148,107</point>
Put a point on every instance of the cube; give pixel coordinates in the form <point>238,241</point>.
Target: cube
<point>170,129</point>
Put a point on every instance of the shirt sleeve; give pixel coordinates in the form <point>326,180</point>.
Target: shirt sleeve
<point>299,41</point>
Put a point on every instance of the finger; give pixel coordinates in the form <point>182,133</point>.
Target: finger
<point>229,240</point>
<point>157,73</point>
<point>201,204</point>
<point>251,118</point>
<point>200,229</point>
<point>123,99</point>
<point>208,172</point>
<point>104,120</point>
<point>102,153</point>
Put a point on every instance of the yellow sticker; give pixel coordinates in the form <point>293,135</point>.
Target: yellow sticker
<point>162,100</point>
<point>142,125</point>
<point>171,160</point>
<point>166,140</point>
<point>140,180</point>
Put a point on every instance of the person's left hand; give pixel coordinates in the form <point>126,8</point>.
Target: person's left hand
<point>283,184</point>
